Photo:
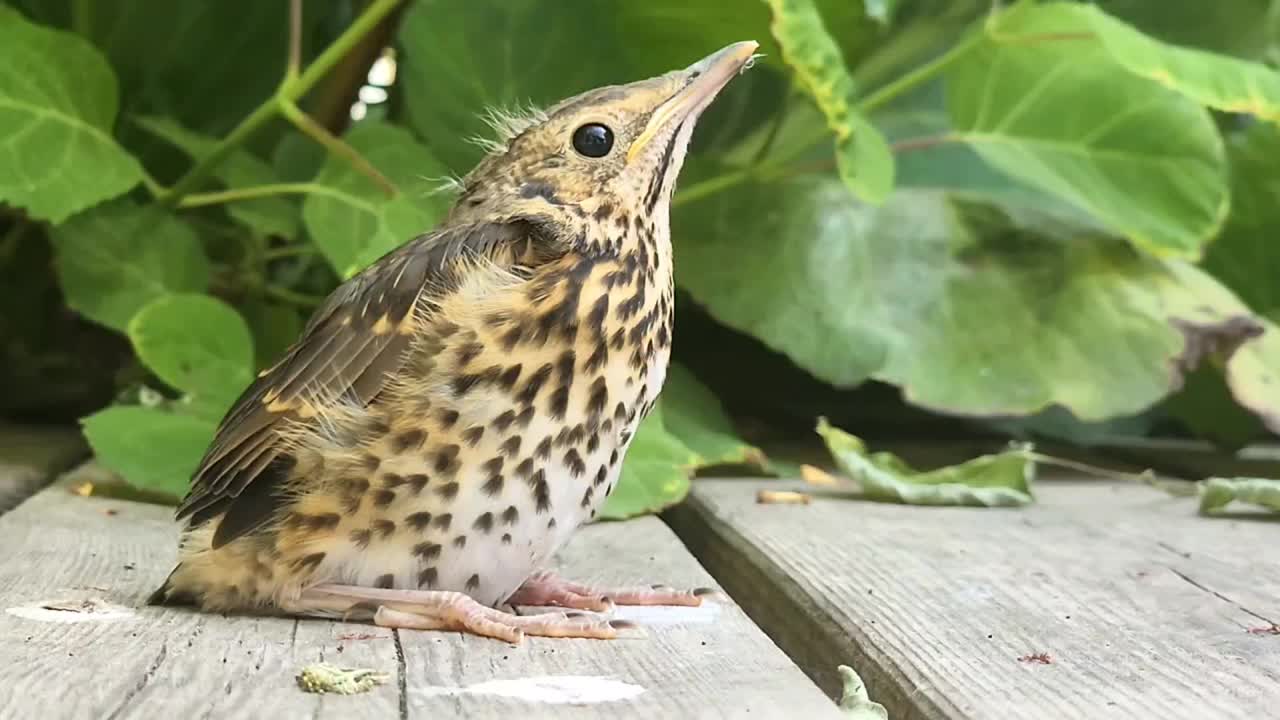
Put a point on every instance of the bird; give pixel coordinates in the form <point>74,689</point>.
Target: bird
<point>453,413</point>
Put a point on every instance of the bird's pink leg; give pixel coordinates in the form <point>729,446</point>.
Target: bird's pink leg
<point>443,610</point>
<point>549,589</point>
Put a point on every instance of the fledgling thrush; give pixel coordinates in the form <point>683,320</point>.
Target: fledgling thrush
<point>454,412</point>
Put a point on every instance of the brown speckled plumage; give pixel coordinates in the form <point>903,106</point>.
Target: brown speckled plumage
<point>452,414</point>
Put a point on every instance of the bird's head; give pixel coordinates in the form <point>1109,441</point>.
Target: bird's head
<point>607,153</point>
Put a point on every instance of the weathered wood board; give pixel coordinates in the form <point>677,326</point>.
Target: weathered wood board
<point>1143,609</point>
<point>30,457</point>
<point>121,659</point>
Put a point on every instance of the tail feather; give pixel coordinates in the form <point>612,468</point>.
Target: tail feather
<point>166,595</point>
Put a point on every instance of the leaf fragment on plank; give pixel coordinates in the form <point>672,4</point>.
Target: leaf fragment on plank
<point>854,701</point>
<point>326,678</point>
<point>1218,492</point>
<point>999,480</point>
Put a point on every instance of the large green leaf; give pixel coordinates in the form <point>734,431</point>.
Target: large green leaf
<point>1000,480</point>
<point>1246,256</point>
<point>1142,158</point>
<point>1235,27</point>
<point>354,221</point>
<point>150,448</point>
<point>268,215</point>
<point>1221,82</point>
<point>990,324</point>
<point>57,108</point>
<point>197,344</point>
<point>117,257</point>
<point>206,64</point>
<point>862,154</point>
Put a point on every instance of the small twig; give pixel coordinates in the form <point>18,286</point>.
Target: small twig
<point>335,145</point>
<point>923,142</point>
<point>292,297</point>
<point>250,193</point>
<point>288,251</point>
<point>291,89</point>
<point>294,65</point>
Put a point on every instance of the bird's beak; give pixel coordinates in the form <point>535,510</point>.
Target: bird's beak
<point>707,78</point>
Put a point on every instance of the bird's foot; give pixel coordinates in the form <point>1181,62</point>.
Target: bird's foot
<point>549,589</point>
<point>444,610</point>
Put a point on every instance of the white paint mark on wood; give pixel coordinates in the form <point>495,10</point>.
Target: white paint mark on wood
<point>549,689</point>
<point>667,615</point>
<point>68,611</point>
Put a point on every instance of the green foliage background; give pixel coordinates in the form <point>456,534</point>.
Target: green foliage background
<point>1061,217</point>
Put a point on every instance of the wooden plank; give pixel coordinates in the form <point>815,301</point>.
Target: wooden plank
<point>31,456</point>
<point>122,659</point>
<point>1143,608</point>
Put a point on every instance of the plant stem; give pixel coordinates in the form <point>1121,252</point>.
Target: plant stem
<point>248,193</point>
<point>290,90</point>
<point>82,18</point>
<point>288,251</point>
<point>922,74</point>
<point>294,63</point>
<point>9,243</point>
<point>335,145</point>
<point>293,298</point>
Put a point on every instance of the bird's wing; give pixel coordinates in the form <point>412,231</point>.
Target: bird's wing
<point>353,343</point>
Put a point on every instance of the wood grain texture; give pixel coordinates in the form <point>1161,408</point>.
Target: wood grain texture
<point>126,660</point>
<point>31,456</point>
<point>1143,608</point>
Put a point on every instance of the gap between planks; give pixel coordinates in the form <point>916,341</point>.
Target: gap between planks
<point>1144,608</point>
<point>127,660</point>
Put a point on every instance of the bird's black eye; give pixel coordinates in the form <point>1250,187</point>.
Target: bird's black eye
<point>593,140</point>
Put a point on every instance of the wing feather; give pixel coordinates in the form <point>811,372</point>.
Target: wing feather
<point>349,349</point>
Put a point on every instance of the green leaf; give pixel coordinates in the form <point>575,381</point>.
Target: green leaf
<point>150,448</point>
<point>354,221</point>
<point>655,474</point>
<point>1001,480</point>
<point>692,413</point>
<point>117,257</point>
<point>1233,27</point>
<point>197,344</point>
<point>274,328</point>
<point>1221,82</point>
<point>1002,322</point>
<point>854,701</point>
<point>57,107</point>
<point>1216,493</point>
<point>241,169</point>
<point>1246,256</point>
<point>1144,160</point>
<point>460,60</point>
<point>863,156</point>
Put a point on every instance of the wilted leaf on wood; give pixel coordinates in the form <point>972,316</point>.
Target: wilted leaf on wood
<point>57,111</point>
<point>354,221</point>
<point>115,258</point>
<point>1142,158</point>
<point>1216,493</point>
<point>862,154</point>
<point>854,701</point>
<point>1000,480</point>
